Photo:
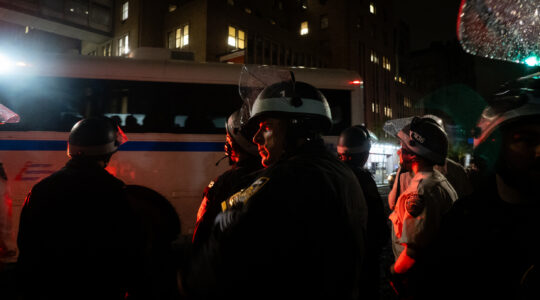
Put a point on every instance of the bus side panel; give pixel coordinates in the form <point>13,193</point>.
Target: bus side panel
<point>24,169</point>
<point>181,177</point>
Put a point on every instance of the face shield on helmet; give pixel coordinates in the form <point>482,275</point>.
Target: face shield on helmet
<point>425,138</point>
<point>392,127</point>
<point>95,137</point>
<point>271,92</point>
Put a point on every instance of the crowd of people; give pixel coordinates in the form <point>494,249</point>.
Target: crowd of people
<point>291,219</point>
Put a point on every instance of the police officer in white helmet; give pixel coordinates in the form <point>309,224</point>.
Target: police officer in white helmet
<point>418,213</point>
<point>298,230</point>
<point>491,250</point>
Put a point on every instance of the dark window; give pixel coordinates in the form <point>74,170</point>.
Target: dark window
<point>57,5</point>
<point>138,106</point>
<point>100,14</point>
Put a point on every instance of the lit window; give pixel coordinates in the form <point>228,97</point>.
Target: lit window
<point>107,50</point>
<point>388,111</point>
<point>374,107</point>
<point>123,45</point>
<point>407,102</point>
<point>179,37</point>
<point>304,28</point>
<point>386,63</point>
<point>374,58</point>
<point>372,8</point>
<point>237,38</point>
<point>125,10</point>
<point>185,36</point>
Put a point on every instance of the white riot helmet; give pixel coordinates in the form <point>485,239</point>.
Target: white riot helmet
<point>294,100</point>
<point>516,100</point>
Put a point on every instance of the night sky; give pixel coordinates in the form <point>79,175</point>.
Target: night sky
<point>428,20</point>
<point>436,20</point>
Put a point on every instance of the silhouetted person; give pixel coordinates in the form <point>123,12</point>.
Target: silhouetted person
<point>491,247</point>
<point>160,226</point>
<point>353,148</point>
<point>245,161</point>
<point>77,233</point>
<point>199,123</point>
<point>132,125</point>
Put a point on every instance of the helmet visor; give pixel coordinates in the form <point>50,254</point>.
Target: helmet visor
<point>254,79</point>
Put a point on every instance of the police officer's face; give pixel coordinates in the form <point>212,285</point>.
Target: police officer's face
<point>270,140</point>
<point>405,158</point>
<point>521,156</point>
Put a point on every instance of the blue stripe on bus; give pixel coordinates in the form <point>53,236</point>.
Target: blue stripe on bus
<point>25,145</point>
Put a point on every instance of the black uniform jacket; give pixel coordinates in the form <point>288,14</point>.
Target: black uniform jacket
<point>219,190</point>
<point>488,249</point>
<point>296,232</point>
<point>76,236</point>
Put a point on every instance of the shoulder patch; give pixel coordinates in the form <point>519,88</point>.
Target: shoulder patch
<point>243,195</point>
<point>414,204</point>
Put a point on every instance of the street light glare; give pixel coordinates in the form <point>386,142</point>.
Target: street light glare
<point>532,61</point>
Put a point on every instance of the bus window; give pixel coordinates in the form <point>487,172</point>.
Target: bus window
<point>340,106</point>
<point>55,104</point>
<point>44,104</point>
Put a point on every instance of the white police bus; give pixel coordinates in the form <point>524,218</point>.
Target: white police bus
<point>173,113</point>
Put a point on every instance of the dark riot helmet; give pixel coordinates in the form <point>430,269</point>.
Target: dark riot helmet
<point>301,103</point>
<point>354,140</point>
<point>94,137</point>
<point>234,129</point>
<point>426,138</point>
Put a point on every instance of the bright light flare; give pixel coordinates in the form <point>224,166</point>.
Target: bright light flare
<point>532,61</point>
<point>356,82</point>
<point>7,65</point>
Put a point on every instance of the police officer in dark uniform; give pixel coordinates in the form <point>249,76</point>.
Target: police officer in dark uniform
<point>353,148</point>
<point>491,249</point>
<point>77,234</point>
<point>298,231</point>
<point>245,161</point>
